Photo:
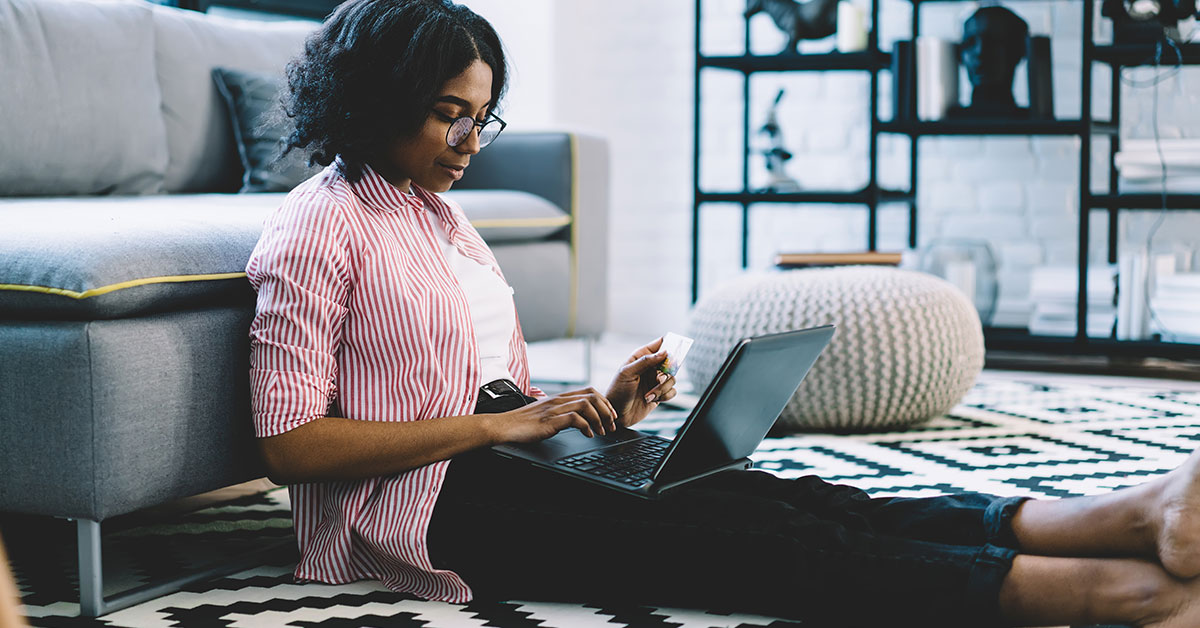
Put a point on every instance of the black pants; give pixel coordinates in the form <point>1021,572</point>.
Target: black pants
<point>736,541</point>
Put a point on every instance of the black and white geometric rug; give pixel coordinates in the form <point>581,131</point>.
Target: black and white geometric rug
<point>1008,437</point>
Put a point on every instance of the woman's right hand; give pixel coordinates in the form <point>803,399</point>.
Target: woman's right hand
<point>587,410</point>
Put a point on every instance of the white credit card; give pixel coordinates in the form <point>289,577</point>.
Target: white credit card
<point>677,349</point>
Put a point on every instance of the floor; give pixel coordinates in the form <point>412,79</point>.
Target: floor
<point>1028,433</point>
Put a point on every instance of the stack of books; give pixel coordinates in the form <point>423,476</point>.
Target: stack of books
<point>1054,291</point>
<point>1175,307</point>
<point>1150,293</point>
<point>1141,167</point>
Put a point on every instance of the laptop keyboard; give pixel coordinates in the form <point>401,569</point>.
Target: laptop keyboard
<point>630,463</point>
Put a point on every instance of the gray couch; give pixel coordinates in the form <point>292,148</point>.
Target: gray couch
<point>124,307</point>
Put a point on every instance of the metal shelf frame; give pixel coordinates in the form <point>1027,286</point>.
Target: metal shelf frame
<point>871,196</point>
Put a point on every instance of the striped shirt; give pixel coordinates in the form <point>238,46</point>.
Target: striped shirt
<point>359,315</point>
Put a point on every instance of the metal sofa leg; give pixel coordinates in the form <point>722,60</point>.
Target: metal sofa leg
<point>92,602</point>
<point>91,574</point>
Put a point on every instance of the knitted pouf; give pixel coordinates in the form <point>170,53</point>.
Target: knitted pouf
<point>908,345</point>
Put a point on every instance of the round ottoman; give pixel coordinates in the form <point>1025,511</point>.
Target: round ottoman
<point>908,345</point>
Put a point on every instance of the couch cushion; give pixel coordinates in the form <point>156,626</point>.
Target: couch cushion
<point>543,163</point>
<point>80,98</point>
<point>203,155</point>
<point>503,216</point>
<point>112,257</point>
<point>259,128</point>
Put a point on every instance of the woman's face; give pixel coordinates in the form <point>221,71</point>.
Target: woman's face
<point>425,158</point>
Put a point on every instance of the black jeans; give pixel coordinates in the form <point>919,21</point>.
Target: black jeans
<point>736,541</point>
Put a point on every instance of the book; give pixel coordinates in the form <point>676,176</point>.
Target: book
<point>1180,284</point>
<point>1125,281</point>
<point>903,85</point>
<point>804,260</point>
<point>1062,283</point>
<point>1041,78</point>
<point>1139,327</point>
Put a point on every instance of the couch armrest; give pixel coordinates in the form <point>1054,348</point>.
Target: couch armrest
<point>571,171</point>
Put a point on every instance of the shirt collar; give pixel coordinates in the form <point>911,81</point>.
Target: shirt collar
<point>377,192</point>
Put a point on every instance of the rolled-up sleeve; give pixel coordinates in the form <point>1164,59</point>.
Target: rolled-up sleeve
<point>300,269</point>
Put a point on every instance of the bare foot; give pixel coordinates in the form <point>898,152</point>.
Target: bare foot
<point>1178,606</point>
<point>1179,524</point>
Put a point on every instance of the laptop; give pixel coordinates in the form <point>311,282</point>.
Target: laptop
<point>729,421</point>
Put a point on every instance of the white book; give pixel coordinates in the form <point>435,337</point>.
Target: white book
<point>1097,326</point>
<point>1061,282</point>
<point>1067,308</point>
<point>1184,160</point>
<point>1180,305</point>
<point>1176,185</point>
<point>1170,323</point>
<point>1137,296</point>
<point>1124,295</point>
<point>1184,145</point>
<point>1188,282</point>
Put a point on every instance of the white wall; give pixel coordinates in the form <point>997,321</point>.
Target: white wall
<point>623,69</point>
<point>525,27</point>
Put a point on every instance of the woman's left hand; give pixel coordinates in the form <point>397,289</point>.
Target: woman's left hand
<point>639,386</point>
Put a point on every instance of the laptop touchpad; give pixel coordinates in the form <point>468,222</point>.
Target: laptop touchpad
<point>571,441</point>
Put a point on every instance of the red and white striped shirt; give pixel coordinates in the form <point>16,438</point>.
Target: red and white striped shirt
<point>356,304</point>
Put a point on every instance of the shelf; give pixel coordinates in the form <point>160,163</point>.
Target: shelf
<point>1007,339</point>
<point>1145,201</point>
<point>998,127</point>
<point>1131,55</point>
<point>859,197</point>
<point>790,62</point>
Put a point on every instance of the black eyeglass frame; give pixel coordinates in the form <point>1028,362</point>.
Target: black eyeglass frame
<point>491,118</point>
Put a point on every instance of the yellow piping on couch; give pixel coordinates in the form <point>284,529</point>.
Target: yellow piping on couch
<point>557,221</point>
<point>573,303</point>
<point>95,292</point>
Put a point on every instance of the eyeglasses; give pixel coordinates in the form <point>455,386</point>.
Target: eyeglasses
<point>460,129</point>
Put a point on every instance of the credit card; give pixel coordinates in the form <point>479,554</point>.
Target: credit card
<point>677,349</point>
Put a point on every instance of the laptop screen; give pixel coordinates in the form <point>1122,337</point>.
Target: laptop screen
<point>743,401</point>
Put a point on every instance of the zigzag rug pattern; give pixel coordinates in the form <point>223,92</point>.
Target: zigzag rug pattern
<point>1007,437</point>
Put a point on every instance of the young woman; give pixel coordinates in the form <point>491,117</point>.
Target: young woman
<point>381,313</point>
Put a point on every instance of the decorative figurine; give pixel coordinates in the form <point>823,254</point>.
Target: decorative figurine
<point>1147,21</point>
<point>775,153</point>
<point>815,19</point>
<point>994,42</point>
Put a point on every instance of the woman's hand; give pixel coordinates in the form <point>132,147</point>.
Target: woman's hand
<point>585,409</point>
<point>639,386</point>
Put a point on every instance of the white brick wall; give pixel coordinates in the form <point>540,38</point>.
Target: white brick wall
<point>623,68</point>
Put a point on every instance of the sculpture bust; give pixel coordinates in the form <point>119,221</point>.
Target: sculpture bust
<point>994,42</point>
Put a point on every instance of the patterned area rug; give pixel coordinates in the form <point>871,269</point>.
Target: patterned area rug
<point>1008,437</point>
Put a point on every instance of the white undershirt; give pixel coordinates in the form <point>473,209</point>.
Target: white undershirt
<point>493,312</point>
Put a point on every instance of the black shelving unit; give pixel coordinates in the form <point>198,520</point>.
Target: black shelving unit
<point>1086,127</point>
<point>870,196</point>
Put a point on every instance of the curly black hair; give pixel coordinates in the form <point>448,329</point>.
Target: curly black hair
<point>373,71</point>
